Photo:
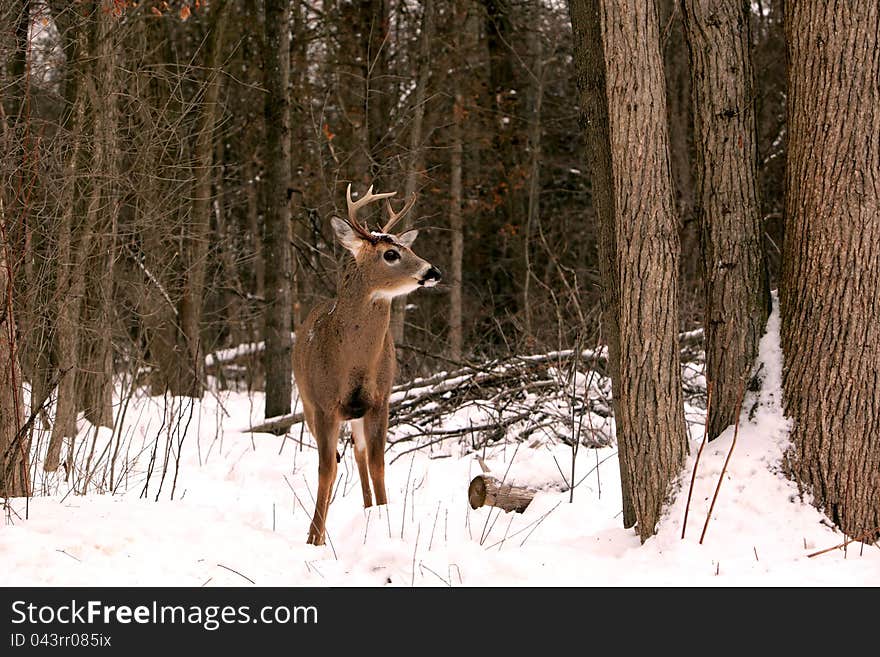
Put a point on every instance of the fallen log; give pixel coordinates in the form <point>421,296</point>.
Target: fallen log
<point>486,490</point>
<point>277,425</point>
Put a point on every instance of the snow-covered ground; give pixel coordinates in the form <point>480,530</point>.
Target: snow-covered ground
<point>241,507</point>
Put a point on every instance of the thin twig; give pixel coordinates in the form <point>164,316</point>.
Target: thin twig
<point>861,537</point>
<point>697,462</point>
<point>232,570</point>
<point>742,390</point>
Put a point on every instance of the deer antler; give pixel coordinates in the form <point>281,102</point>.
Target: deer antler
<point>394,217</point>
<point>354,206</point>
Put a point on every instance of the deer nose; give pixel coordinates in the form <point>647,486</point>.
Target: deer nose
<point>433,274</point>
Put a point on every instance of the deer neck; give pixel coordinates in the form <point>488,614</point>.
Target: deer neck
<point>366,316</point>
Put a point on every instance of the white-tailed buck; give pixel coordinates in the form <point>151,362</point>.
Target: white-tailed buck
<point>343,358</point>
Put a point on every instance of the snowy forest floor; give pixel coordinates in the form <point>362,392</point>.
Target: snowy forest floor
<point>181,494</point>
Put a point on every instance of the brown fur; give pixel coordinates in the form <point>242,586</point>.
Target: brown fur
<point>344,363</point>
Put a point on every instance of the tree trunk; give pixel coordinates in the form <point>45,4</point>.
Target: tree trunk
<point>830,292</point>
<point>28,256</point>
<point>95,371</point>
<point>590,69</point>
<point>737,293</point>
<point>534,200</point>
<point>456,226</point>
<point>502,223</point>
<point>416,151</point>
<point>73,240</point>
<point>620,76</point>
<point>681,145</point>
<point>361,80</point>
<point>375,41</point>
<point>14,445</point>
<point>226,236</point>
<point>255,232</point>
<point>188,377</point>
<point>278,271</point>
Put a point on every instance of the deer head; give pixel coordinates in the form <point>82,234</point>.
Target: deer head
<point>385,261</point>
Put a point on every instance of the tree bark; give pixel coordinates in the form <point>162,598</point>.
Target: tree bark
<point>95,369</point>
<point>456,226</point>
<point>189,374</point>
<point>533,211</point>
<point>830,292</point>
<point>737,293</point>
<point>681,151</point>
<point>486,490</point>
<point>416,151</point>
<point>620,77</point>
<point>278,270</point>
<point>590,70</point>
<point>14,444</point>
<point>501,226</point>
<point>74,237</point>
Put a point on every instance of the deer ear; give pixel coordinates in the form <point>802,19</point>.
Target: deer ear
<point>408,237</point>
<point>346,235</point>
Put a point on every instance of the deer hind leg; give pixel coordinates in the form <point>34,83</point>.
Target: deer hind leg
<point>360,456</point>
<point>376,427</point>
<point>325,429</point>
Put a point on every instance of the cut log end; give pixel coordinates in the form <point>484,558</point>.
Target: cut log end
<point>486,490</point>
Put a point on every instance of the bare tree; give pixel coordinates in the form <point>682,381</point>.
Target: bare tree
<point>14,447</point>
<point>276,69</point>
<point>189,377</point>
<point>734,268</point>
<point>14,439</point>
<point>620,76</point>
<point>456,152</point>
<point>830,292</point>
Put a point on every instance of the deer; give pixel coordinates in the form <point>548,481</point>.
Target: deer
<point>344,360</point>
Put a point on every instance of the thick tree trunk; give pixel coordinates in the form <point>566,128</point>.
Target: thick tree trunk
<point>278,271</point>
<point>830,292</point>
<point>590,63</point>
<point>620,76</point>
<point>737,293</point>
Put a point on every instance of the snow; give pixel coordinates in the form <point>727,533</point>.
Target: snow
<point>241,506</point>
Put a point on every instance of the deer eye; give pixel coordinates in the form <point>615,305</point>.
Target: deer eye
<point>391,256</point>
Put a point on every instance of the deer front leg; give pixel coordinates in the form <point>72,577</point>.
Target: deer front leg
<point>376,428</point>
<point>360,456</point>
<point>326,432</point>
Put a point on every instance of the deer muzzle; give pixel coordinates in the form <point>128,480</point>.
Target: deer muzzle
<point>431,277</point>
